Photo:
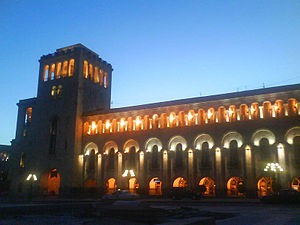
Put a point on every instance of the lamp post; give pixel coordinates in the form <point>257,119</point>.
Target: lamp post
<point>31,178</point>
<point>274,169</point>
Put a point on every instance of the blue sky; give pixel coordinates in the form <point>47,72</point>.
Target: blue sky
<point>160,50</point>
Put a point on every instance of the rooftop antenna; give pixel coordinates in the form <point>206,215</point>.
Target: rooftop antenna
<point>264,85</point>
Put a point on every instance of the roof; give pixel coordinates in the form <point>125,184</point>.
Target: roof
<point>200,99</point>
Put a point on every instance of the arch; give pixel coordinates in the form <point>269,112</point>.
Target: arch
<point>221,114</point>
<point>50,182</point>
<point>295,185</point>
<point>291,134</point>
<point>292,107</point>
<point>90,184</point>
<point>129,144</point>
<point>264,186</point>
<point>267,109</point>
<point>244,112</point>
<point>111,185</point>
<point>133,185</point>
<point>88,147</point>
<point>279,108</point>
<point>263,133</point>
<point>155,186</point>
<point>200,139</point>
<point>231,136</point>
<point>232,115</point>
<point>209,184</point>
<point>109,145</point>
<point>179,182</point>
<point>177,140</point>
<point>233,186</point>
<point>254,110</point>
<point>151,142</point>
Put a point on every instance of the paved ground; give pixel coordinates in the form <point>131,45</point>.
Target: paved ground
<point>245,212</point>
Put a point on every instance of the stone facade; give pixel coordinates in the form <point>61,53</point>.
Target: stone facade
<point>70,138</point>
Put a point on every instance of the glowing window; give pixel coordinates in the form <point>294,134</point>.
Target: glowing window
<point>58,70</point>
<point>101,77</point>
<point>71,67</point>
<point>91,71</point>
<point>52,71</point>
<point>105,80</point>
<point>85,69</point>
<point>65,69</point>
<point>96,77</point>
<point>28,115</point>
<point>46,73</point>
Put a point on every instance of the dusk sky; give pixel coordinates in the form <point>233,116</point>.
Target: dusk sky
<point>160,50</point>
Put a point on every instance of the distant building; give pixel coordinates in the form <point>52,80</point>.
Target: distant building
<point>5,151</point>
<point>70,139</point>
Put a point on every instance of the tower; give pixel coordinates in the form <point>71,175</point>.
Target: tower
<point>72,81</point>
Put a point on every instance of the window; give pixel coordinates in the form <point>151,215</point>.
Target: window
<point>233,154</point>
<point>111,157</point>
<point>22,160</point>
<point>96,77</point>
<point>154,160</point>
<point>91,71</point>
<point>28,115</point>
<point>71,67</point>
<point>46,73</point>
<point>90,169</point>
<point>85,69</point>
<point>58,70</point>
<point>52,72</point>
<point>65,69</point>
<point>53,133</point>
<point>101,77</point>
<point>105,80</point>
<point>205,159</point>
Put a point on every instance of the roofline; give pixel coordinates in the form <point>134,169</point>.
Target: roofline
<point>199,99</point>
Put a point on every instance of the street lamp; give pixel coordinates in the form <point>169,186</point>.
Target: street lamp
<point>31,178</point>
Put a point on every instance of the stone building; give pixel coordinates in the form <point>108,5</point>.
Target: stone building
<point>70,138</point>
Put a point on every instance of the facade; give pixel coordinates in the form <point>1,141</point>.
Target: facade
<point>243,143</point>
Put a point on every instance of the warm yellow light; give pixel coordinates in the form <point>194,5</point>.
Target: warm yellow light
<point>155,116</point>
<point>122,123</point>
<point>209,113</point>
<point>190,116</point>
<point>230,112</point>
<point>107,124</point>
<point>252,109</point>
<point>138,121</point>
<point>29,177</point>
<point>172,117</point>
<point>94,127</point>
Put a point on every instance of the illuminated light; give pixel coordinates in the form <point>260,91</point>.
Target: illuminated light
<point>141,154</point>
<point>138,121</point>
<point>34,177</point>
<point>248,148</point>
<point>209,113</point>
<point>190,116</point>
<point>155,116</point>
<point>125,173</point>
<point>89,131</point>
<point>29,177</point>
<point>230,112</point>
<point>94,127</point>
<point>252,109</point>
<point>107,124</point>
<point>172,117</point>
<point>218,149</point>
<point>87,153</point>
<point>265,169</point>
<point>122,123</point>
<point>131,173</point>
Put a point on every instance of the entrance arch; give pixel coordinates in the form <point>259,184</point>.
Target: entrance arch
<point>233,186</point>
<point>180,182</point>
<point>264,186</point>
<point>155,186</point>
<point>133,185</point>
<point>296,184</point>
<point>50,182</point>
<point>209,184</point>
<point>111,185</point>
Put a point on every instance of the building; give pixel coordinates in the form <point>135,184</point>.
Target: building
<point>4,167</point>
<point>70,139</point>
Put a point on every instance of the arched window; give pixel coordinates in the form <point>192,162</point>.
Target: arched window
<point>205,158</point>
<point>105,80</point>
<point>254,109</point>
<point>244,113</point>
<point>85,69</point>
<point>267,110</point>
<point>91,71</point>
<point>53,133</point>
<point>132,158</point>
<point>91,162</point>
<point>232,113</point>
<point>71,67</point>
<point>52,72</point>
<point>179,156</point>
<point>65,69</point>
<point>233,154</point>
<point>96,77</point>
<point>28,116</point>
<point>58,70</point>
<point>111,159</point>
<point>265,152</point>
<point>46,73</point>
<point>292,107</point>
<point>154,159</point>
<point>296,145</point>
<point>101,77</point>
